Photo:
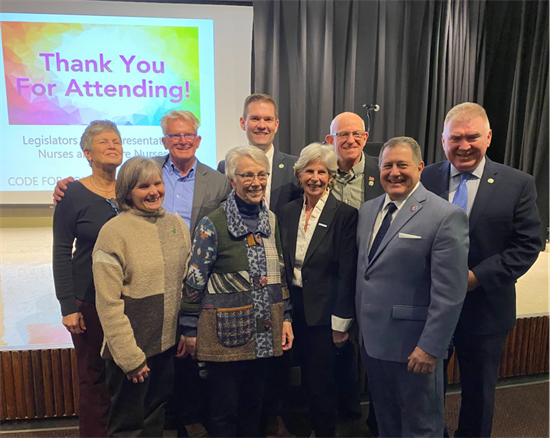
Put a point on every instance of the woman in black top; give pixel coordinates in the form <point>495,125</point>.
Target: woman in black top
<point>86,206</point>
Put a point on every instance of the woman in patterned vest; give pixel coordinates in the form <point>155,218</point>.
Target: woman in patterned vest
<point>235,308</point>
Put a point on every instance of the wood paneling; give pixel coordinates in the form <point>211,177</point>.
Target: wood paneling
<point>525,353</point>
<point>38,384</point>
<point>44,383</point>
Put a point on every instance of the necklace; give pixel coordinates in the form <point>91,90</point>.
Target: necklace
<point>98,189</point>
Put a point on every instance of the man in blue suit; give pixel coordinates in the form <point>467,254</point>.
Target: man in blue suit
<point>411,282</point>
<point>504,228</point>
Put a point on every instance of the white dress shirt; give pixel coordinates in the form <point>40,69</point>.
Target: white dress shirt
<point>269,155</point>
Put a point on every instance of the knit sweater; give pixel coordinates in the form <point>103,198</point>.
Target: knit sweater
<point>139,264</point>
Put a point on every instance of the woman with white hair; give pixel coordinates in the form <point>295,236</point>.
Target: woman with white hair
<point>235,306</point>
<point>139,264</point>
<point>318,234</point>
<point>88,204</point>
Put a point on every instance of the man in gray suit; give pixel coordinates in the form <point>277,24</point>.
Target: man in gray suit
<point>412,277</point>
<point>192,189</point>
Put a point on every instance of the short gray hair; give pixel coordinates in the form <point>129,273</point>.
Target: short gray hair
<point>464,112</point>
<point>318,151</point>
<point>95,128</point>
<point>134,171</point>
<point>234,155</point>
<point>186,116</point>
<point>402,141</point>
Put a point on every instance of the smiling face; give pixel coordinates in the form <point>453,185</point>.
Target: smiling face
<point>399,174</point>
<point>314,179</point>
<point>465,142</point>
<point>148,196</point>
<point>260,124</point>
<point>348,147</point>
<point>181,151</point>
<point>106,150</point>
<point>252,191</point>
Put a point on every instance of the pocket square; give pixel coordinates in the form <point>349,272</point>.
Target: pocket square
<point>408,236</point>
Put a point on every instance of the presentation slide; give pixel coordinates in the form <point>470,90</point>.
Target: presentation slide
<point>66,63</point>
<point>62,71</point>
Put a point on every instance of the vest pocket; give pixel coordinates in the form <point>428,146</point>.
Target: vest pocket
<point>235,326</point>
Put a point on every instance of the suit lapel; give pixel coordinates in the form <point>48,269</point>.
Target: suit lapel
<point>277,177</point>
<point>484,192</point>
<point>326,218</point>
<point>408,210</point>
<point>293,220</point>
<point>441,186</point>
<point>198,195</point>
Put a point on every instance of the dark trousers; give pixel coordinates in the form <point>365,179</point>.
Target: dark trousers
<point>235,391</point>
<point>347,380</point>
<point>407,404</point>
<point>93,402</point>
<point>316,355</point>
<point>479,359</point>
<point>137,409</point>
<point>188,402</point>
<point>276,387</point>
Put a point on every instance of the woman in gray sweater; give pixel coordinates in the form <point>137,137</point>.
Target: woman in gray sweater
<point>139,264</point>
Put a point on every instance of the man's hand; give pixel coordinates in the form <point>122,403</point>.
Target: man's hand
<point>339,338</point>
<point>421,362</point>
<point>59,190</point>
<point>189,347</point>
<point>74,323</point>
<point>288,335</point>
<point>472,281</point>
<point>139,376</point>
<point>182,348</point>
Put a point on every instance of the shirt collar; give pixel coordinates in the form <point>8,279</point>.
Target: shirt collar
<point>358,169</point>
<point>399,202</point>
<point>478,172</point>
<point>169,164</point>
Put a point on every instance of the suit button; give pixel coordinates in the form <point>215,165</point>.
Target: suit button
<point>305,281</point>
<point>367,277</point>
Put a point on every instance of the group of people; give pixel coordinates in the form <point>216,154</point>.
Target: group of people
<point>277,258</point>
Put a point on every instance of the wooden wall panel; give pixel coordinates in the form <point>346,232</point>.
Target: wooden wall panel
<point>38,384</point>
<point>44,383</point>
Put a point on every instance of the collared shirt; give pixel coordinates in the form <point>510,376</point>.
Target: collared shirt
<point>269,154</point>
<point>178,197</point>
<point>398,203</point>
<point>303,239</point>
<point>472,184</point>
<point>349,186</point>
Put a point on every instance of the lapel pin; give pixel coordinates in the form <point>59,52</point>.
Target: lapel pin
<point>281,166</point>
<point>490,180</point>
<point>414,207</point>
<point>322,225</point>
<point>371,178</point>
<point>371,183</point>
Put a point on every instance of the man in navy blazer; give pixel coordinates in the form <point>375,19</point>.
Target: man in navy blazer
<point>260,121</point>
<point>504,228</point>
<point>411,283</point>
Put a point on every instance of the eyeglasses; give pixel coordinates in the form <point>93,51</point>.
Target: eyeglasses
<point>249,177</point>
<point>114,205</point>
<point>176,138</point>
<point>357,135</point>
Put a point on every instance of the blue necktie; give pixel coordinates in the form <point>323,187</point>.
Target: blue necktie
<point>461,194</point>
<point>383,230</point>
